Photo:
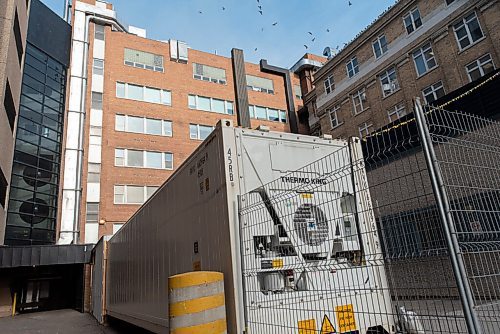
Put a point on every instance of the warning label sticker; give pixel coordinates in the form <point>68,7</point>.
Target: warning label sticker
<point>327,326</point>
<point>345,318</point>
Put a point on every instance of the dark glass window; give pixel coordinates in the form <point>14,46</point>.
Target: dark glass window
<point>10,108</point>
<point>17,36</point>
<point>32,209</point>
<point>3,188</point>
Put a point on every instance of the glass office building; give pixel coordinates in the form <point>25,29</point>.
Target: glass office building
<point>32,209</point>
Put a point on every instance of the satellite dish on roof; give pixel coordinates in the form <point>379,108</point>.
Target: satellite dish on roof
<point>328,52</point>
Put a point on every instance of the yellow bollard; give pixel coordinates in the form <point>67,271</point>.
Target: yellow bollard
<point>196,303</point>
<point>14,301</point>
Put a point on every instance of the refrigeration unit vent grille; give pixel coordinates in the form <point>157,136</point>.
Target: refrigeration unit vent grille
<point>311,224</point>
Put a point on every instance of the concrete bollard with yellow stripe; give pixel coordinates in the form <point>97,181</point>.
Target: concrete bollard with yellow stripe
<point>196,303</point>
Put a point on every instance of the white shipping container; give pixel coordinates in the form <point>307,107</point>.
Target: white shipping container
<point>192,223</point>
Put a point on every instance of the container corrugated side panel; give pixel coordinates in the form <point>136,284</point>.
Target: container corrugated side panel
<point>159,240</point>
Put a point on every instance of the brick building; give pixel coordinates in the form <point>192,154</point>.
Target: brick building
<point>415,49</point>
<point>138,107</point>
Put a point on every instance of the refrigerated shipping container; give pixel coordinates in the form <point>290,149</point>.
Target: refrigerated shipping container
<point>193,222</point>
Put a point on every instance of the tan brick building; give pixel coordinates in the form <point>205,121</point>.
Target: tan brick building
<point>13,30</point>
<point>138,107</point>
<point>415,49</point>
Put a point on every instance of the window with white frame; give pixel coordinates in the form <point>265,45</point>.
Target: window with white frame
<point>359,101</point>
<point>412,20</point>
<point>143,159</point>
<point>96,101</point>
<point>199,132</point>
<point>204,103</point>
<point>148,126</point>
<point>99,32</point>
<point>144,60</point>
<point>380,46</point>
<point>259,84</point>
<point>298,92</point>
<point>98,66</point>
<point>365,129</point>
<point>143,93</point>
<point>480,67</point>
<point>352,67</point>
<point>334,116</point>
<point>269,114</point>
<point>94,173</point>
<point>92,213</point>
<point>329,84</point>
<point>389,81</point>
<point>396,112</point>
<point>209,73</point>
<point>433,92</point>
<point>424,59</point>
<point>132,194</point>
<point>468,31</point>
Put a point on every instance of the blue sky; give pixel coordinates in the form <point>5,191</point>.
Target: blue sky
<point>240,25</point>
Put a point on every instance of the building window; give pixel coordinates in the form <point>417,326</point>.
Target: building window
<point>359,101</point>
<point>10,108</point>
<point>17,36</point>
<point>210,104</point>
<point>144,60</point>
<point>148,126</point>
<point>424,59</point>
<point>96,101</point>
<point>412,20</point>
<point>389,82</point>
<point>329,84</point>
<point>269,114</point>
<point>92,213</point>
<point>259,84</point>
<point>365,129</point>
<point>3,188</point>
<point>98,67</point>
<point>209,73</point>
<point>143,93</point>
<point>480,67</point>
<point>449,2</point>
<point>94,173</point>
<point>99,32</point>
<point>396,112</point>
<point>117,227</point>
<point>433,92</point>
<point>200,132</point>
<point>298,92</point>
<point>352,67</point>
<point>468,31</point>
<point>334,117</point>
<point>143,159</point>
<point>130,194</point>
<point>380,46</point>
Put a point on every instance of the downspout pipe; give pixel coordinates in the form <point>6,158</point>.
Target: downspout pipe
<point>286,74</point>
<point>81,119</point>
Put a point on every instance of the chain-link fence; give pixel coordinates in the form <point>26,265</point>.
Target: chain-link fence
<point>397,234</point>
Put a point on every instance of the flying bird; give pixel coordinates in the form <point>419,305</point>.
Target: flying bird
<point>306,46</point>
<point>223,8</point>
<point>310,33</point>
<point>312,40</point>
<point>327,30</point>
<point>350,3</point>
<point>255,49</point>
<point>261,29</point>
<point>261,12</point>
<point>200,12</point>
<point>260,7</point>
<point>275,23</point>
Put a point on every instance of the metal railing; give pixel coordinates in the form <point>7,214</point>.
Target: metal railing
<point>399,234</point>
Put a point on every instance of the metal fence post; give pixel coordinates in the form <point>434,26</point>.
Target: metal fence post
<point>458,266</point>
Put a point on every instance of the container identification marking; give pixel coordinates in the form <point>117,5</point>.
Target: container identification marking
<point>230,165</point>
